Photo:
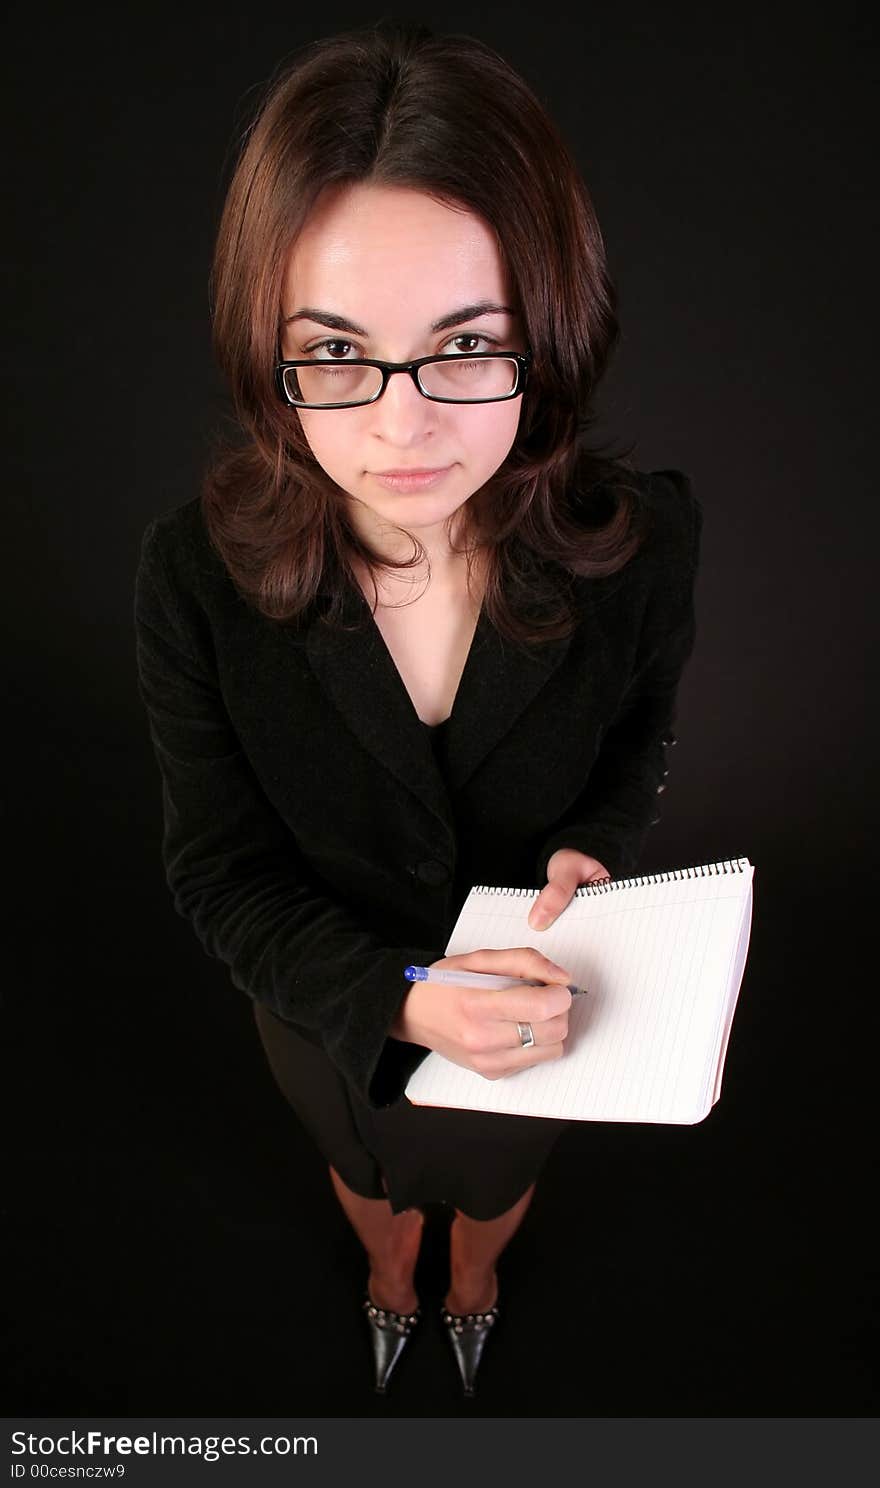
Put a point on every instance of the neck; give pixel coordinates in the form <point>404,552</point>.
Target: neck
<point>446,567</point>
<point>448,583</point>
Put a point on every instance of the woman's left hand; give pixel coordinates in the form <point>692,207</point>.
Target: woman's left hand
<point>566,871</point>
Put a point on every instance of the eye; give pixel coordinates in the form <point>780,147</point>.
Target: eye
<point>490,341</point>
<point>331,343</point>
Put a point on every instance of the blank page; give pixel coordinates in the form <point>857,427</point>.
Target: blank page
<point>662,957</point>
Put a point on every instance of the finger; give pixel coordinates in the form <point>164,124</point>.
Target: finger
<point>535,1005</point>
<point>514,961</point>
<point>551,1031</point>
<point>503,1035</point>
<point>567,870</point>
<point>510,1061</point>
<point>552,900</point>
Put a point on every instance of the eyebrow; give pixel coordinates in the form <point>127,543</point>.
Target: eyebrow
<point>445,323</point>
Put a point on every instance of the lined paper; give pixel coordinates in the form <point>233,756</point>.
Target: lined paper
<point>663,957</point>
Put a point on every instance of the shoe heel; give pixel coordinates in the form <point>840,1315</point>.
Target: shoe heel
<point>390,1333</point>
<point>467,1333</point>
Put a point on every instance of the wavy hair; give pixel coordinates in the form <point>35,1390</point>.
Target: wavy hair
<point>448,116</point>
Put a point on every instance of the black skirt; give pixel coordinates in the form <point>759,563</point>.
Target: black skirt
<point>477,1161</point>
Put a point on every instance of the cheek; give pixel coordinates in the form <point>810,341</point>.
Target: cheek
<point>490,439</point>
<point>328,443</point>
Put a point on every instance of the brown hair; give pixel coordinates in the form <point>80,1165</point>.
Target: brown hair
<point>445,115</point>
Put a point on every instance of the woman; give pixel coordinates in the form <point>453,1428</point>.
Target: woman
<point>412,635</point>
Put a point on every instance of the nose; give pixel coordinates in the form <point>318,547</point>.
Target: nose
<point>402,417</point>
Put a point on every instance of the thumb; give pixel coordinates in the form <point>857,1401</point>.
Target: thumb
<point>566,871</point>
<point>555,897</point>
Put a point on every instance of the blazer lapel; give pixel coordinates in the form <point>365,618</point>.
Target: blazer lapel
<point>499,681</point>
<point>357,672</point>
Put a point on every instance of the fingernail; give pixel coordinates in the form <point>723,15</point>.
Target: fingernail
<point>539,919</point>
<point>561,972</point>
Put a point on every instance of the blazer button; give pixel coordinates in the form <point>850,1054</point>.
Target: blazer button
<point>660,788</point>
<point>433,872</point>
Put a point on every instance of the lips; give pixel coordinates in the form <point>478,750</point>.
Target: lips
<point>415,470</point>
<point>411,480</point>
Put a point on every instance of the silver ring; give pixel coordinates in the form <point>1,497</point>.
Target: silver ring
<point>526,1036</point>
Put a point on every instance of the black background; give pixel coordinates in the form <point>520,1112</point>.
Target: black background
<point>161,1263</point>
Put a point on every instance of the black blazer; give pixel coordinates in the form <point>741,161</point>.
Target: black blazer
<point>309,836</point>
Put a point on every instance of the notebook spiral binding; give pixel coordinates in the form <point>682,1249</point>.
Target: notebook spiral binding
<point>610,885</point>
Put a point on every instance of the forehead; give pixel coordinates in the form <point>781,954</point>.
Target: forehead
<point>391,244</point>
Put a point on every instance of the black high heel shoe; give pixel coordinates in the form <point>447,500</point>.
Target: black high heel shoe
<point>467,1333</point>
<point>390,1332</point>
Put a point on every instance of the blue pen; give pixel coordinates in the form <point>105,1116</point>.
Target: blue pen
<point>476,979</point>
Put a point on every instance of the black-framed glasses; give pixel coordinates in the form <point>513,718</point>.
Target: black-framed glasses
<point>483,377</point>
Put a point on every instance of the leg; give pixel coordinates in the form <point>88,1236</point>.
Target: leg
<point>391,1242</point>
<point>474,1247</point>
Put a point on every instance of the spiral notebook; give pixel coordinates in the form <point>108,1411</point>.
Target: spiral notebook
<point>662,958</point>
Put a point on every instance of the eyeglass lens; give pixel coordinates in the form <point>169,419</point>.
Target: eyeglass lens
<point>462,381</point>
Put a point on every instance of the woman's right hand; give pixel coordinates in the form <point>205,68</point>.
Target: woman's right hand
<point>476,1026</point>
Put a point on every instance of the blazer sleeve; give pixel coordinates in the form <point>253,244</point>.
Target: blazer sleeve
<point>234,870</point>
<point>611,817</point>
